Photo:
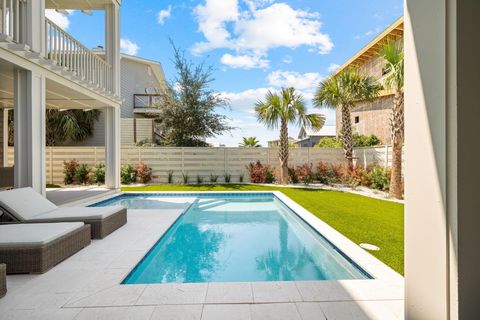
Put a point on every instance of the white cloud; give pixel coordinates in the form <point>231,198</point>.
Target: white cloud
<point>163,15</point>
<point>287,59</point>
<point>129,47</point>
<point>333,67</point>
<point>244,61</point>
<point>300,81</point>
<point>258,29</point>
<point>245,100</point>
<point>369,33</point>
<point>58,18</point>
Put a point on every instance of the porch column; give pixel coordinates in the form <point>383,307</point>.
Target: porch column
<point>112,147</point>
<point>112,43</point>
<point>33,16</point>
<point>442,185</point>
<point>29,119</point>
<point>4,137</point>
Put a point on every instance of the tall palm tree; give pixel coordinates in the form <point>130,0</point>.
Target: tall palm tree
<point>392,53</point>
<point>250,142</point>
<point>344,90</point>
<point>281,109</point>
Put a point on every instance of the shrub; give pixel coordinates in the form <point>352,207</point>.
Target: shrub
<point>128,174</point>
<point>213,178</point>
<point>170,176</point>
<point>355,177</point>
<point>241,178</point>
<point>292,174</point>
<point>98,173</point>
<point>304,173</point>
<point>360,140</point>
<point>227,177</point>
<point>143,172</point>
<point>260,173</point>
<point>70,171</point>
<point>327,173</point>
<point>145,143</point>
<point>82,174</point>
<point>329,142</point>
<point>379,178</point>
<point>199,179</point>
<point>185,177</point>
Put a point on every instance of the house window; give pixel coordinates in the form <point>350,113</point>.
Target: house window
<point>357,119</point>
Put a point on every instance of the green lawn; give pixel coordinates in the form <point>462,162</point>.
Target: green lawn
<point>361,219</point>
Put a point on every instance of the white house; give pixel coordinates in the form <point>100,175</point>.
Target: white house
<point>307,137</point>
<point>140,82</point>
<point>42,66</point>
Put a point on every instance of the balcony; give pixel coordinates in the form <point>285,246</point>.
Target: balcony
<point>61,52</point>
<point>145,103</point>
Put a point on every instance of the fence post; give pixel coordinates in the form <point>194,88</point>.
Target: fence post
<point>364,159</point>
<point>386,156</point>
<point>225,160</point>
<point>50,151</point>
<point>183,158</point>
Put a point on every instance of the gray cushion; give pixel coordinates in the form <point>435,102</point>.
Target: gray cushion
<point>34,234</point>
<point>77,214</point>
<point>25,203</point>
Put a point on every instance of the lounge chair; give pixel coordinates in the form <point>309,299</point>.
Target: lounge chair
<point>26,205</point>
<point>3,280</point>
<point>37,247</point>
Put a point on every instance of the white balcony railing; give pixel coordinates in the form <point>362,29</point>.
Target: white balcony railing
<point>67,52</point>
<point>10,19</point>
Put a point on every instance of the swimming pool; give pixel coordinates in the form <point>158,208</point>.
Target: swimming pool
<point>231,237</point>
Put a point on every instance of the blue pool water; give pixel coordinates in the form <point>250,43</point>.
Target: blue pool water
<point>237,237</point>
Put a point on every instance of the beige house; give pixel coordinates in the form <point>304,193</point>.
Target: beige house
<point>140,80</point>
<point>373,117</point>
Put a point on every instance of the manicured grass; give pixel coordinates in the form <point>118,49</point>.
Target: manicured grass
<point>361,219</point>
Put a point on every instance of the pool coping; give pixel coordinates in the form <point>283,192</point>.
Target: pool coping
<point>366,261</point>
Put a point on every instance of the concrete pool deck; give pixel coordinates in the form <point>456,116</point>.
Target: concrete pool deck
<point>87,286</point>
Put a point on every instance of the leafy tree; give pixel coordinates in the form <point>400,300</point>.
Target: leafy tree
<point>281,109</point>
<point>187,107</point>
<point>250,142</point>
<point>344,90</point>
<point>358,140</point>
<point>392,53</point>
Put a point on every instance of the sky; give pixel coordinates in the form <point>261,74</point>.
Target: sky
<point>254,45</point>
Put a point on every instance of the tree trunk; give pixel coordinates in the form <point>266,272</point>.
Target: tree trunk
<point>347,135</point>
<point>397,131</point>
<point>283,152</point>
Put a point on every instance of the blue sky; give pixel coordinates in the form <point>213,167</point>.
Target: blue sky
<point>254,45</point>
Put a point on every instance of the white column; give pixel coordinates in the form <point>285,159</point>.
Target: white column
<point>442,259</point>
<point>112,43</point>
<point>33,21</point>
<point>29,118</point>
<point>5,137</point>
<point>112,147</point>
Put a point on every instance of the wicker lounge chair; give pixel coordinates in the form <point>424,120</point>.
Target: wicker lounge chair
<point>3,280</point>
<point>26,205</point>
<point>37,247</point>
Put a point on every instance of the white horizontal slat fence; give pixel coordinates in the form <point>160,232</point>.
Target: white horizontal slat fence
<point>203,161</point>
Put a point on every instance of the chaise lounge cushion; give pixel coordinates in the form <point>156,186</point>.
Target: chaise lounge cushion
<point>76,214</point>
<point>34,234</point>
<point>25,203</point>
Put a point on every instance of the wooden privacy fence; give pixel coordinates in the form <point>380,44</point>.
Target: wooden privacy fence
<point>203,161</point>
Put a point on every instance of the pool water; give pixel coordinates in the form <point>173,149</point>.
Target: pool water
<point>224,238</point>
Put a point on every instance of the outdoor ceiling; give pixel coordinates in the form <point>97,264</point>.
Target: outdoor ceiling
<point>58,95</point>
<point>79,4</point>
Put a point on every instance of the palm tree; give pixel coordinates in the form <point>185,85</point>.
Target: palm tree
<point>344,90</point>
<point>392,53</point>
<point>281,109</point>
<point>250,142</point>
<point>69,125</point>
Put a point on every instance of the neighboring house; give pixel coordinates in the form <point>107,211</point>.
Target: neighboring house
<point>42,66</point>
<point>308,137</point>
<point>373,117</point>
<point>276,143</point>
<point>141,80</point>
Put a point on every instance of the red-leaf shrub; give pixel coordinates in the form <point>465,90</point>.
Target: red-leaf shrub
<point>304,173</point>
<point>144,173</point>
<point>260,173</point>
<point>70,171</point>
